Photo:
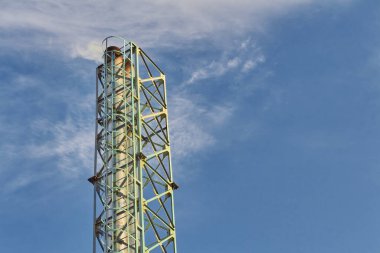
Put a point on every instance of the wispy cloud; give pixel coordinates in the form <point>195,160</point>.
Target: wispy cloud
<point>244,58</point>
<point>76,27</point>
<point>214,69</point>
<point>24,179</point>
<point>193,124</point>
<point>71,141</point>
<point>71,145</point>
<point>251,64</point>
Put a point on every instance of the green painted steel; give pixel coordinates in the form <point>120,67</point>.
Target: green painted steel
<point>133,179</point>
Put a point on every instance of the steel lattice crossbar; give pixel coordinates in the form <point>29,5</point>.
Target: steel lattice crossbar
<point>133,181</point>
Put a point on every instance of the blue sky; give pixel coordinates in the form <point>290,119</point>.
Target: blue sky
<point>274,116</point>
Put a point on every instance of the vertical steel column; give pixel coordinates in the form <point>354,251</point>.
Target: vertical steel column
<point>133,182</point>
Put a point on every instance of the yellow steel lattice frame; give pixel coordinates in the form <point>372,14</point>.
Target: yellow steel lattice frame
<point>133,180</point>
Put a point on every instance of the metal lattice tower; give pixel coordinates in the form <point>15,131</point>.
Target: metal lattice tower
<point>133,181</point>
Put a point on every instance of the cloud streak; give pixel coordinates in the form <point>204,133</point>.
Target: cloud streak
<point>76,27</point>
<point>237,59</point>
<point>193,124</point>
<point>71,140</point>
<point>214,69</point>
<point>71,144</point>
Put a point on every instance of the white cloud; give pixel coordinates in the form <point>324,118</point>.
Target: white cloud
<point>233,63</point>
<point>193,124</point>
<point>72,139</point>
<point>251,64</point>
<point>244,44</point>
<point>24,179</point>
<point>72,144</point>
<point>77,27</point>
<point>35,148</point>
<point>248,65</point>
<point>214,69</point>
<point>244,58</point>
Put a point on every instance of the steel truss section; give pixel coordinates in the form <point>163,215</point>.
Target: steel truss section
<point>133,181</point>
